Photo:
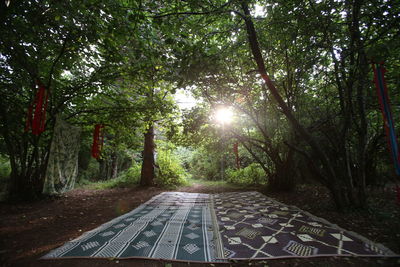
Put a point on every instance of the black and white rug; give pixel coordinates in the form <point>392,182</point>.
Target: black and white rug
<point>217,228</point>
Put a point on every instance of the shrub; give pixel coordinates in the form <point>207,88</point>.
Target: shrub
<point>127,178</point>
<point>205,165</point>
<point>90,173</point>
<point>171,172</point>
<point>253,174</point>
<point>5,168</point>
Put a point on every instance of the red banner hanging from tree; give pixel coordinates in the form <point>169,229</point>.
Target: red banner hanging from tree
<point>36,117</point>
<point>98,139</point>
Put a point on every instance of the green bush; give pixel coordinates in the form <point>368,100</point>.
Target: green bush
<point>127,178</point>
<point>205,165</point>
<point>171,172</point>
<point>5,168</point>
<point>250,175</point>
<point>5,171</point>
<point>90,173</point>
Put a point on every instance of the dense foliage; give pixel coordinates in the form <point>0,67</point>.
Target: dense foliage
<point>171,173</point>
<point>250,175</point>
<point>296,75</point>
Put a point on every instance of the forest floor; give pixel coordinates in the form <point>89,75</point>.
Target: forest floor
<point>30,230</point>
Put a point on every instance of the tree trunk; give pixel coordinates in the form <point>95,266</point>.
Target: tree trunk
<point>148,165</point>
<point>114,165</point>
<point>284,178</point>
<point>104,169</point>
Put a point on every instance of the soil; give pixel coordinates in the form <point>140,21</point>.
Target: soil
<point>30,230</point>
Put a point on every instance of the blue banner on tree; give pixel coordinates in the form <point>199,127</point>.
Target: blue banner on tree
<point>381,89</point>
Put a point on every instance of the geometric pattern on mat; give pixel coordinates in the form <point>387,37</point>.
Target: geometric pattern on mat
<point>172,225</point>
<point>217,228</point>
<point>269,229</point>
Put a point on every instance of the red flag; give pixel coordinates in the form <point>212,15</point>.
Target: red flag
<point>37,120</point>
<point>98,140</point>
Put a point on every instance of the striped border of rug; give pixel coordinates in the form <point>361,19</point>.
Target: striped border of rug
<point>217,228</point>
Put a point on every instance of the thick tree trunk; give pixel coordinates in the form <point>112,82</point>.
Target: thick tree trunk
<point>284,178</point>
<point>27,185</point>
<point>148,166</point>
<point>27,168</point>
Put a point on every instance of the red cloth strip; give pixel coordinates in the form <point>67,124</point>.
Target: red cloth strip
<point>36,115</point>
<point>98,140</point>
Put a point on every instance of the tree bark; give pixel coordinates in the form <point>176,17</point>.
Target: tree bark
<point>148,165</point>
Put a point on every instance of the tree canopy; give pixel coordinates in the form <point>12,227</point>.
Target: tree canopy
<point>297,75</point>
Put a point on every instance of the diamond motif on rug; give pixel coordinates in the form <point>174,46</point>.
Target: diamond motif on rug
<point>149,233</point>
<point>234,240</point>
<point>235,215</point>
<point>269,239</point>
<point>191,248</point>
<point>229,227</point>
<point>248,233</point>
<point>192,236</point>
<point>267,220</point>
<point>341,237</point>
<point>156,223</point>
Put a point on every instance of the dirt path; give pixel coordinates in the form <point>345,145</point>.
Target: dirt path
<point>28,231</point>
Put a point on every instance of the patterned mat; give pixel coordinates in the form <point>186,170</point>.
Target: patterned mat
<point>216,228</point>
<point>254,226</point>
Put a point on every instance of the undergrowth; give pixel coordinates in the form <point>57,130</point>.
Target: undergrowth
<point>253,174</point>
<point>128,178</point>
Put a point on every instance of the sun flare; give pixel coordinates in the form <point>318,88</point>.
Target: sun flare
<point>224,115</point>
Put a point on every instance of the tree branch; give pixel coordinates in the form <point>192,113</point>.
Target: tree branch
<point>217,10</point>
<point>62,51</point>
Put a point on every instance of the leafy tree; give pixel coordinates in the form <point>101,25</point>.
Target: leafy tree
<point>329,80</point>
<point>66,46</point>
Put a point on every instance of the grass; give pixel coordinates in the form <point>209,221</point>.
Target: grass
<point>126,179</point>
<point>209,183</point>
